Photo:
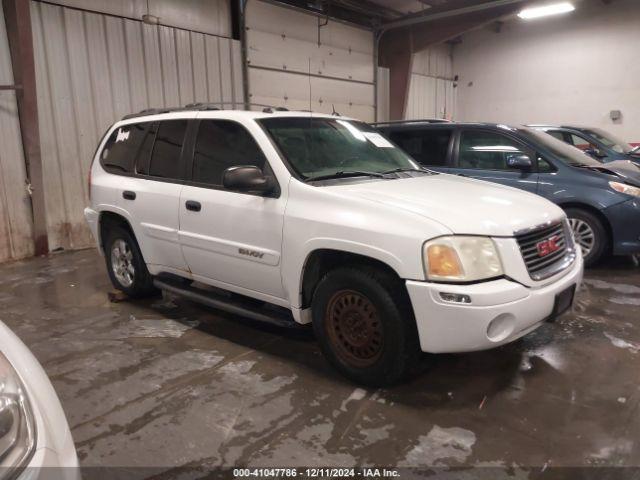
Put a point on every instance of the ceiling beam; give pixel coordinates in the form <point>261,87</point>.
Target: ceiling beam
<point>397,46</point>
<point>431,14</point>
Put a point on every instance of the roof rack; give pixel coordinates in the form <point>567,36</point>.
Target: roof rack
<point>423,120</point>
<point>202,106</point>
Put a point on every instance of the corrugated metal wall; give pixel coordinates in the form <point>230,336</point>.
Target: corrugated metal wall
<point>15,208</point>
<point>383,89</point>
<point>431,91</point>
<point>283,48</point>
<point>91,70</point>
<point>204,16</point>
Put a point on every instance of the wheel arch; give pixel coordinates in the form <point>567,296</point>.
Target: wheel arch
<point>322,260</point>
<point>111,217</point>
<point>595,212</point>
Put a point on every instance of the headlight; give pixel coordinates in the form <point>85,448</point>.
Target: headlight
<point>624,188</point>
<point>461,259</point>
<point>17,425</point>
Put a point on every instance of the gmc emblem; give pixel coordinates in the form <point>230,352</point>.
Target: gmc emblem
<point>548,246</point>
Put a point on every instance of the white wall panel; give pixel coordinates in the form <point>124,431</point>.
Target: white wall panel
<point>283,49</point>
<point>15,206</point>
<point>431,90</point>
<point>91,70</point>
<point>572,68</point>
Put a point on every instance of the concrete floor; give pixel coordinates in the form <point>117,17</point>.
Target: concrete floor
<point>158,383</point>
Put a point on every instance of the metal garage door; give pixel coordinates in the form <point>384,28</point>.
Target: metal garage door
<point>15,208</point>
<point>91,70</point>
<point>294,60</point>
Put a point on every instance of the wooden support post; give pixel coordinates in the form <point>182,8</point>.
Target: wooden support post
<point>18,20</point>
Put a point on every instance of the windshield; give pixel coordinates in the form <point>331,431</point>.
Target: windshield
<point>562,151</point>
<point>616,144</point>
<point>321,147</point>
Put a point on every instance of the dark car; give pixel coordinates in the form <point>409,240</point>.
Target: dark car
<point>602,201</point>
<point>599,144</point>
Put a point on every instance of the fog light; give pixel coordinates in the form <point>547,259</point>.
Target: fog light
<point>501,327</point>
<point>455,297</point>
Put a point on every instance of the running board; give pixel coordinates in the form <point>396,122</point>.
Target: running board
<point>277,316</point>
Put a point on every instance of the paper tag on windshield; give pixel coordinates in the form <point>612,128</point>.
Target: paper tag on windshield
<point>378,140</point>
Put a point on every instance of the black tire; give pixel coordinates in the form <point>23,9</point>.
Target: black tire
<point>600,236</point>
<point>142,282</point>
<point>357,354</point>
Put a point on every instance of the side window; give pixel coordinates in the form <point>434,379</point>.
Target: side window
<point>544,166</point>
<point>221,144</point>
<point>486,150</point>
<point>580,142</point>
<point>556,134</point>
<point>429,147</point>
<point>165,158</point>
<point>120,152</point>
<point>144,154</point>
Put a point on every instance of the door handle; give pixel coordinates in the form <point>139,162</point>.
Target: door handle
<point>193,205</point>
<point>129,195</point>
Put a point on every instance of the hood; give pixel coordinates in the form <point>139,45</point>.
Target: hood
<point>626,170</point>
<point>463,205</point>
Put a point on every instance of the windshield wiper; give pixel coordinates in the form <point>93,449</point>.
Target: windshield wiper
<point>634,149</point>
<point>345,174</point>
<point>408,169</point>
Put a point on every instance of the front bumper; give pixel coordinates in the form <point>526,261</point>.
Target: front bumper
<point>501,311</point>
<point>92,217</point>
<point>47,464</point>
<point>624,219</point>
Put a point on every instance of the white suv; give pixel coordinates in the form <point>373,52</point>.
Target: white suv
<point>308,218</point>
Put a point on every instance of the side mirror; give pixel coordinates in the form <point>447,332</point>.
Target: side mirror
<point>595,152</point>
<point>247,178</point>
<point>519,162</point>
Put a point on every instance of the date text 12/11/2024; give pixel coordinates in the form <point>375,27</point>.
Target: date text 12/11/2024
<point>369,472</point>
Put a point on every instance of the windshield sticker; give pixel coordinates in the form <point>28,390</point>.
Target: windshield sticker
<point>378,140</point>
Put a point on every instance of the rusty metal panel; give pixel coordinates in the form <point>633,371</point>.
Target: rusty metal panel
<point>16,239</point>
<point>91,70</point>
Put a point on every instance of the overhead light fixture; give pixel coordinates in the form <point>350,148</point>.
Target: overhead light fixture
<point>546,10</point>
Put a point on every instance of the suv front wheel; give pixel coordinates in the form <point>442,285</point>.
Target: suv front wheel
<point>125,264</point>
<point>364,323</point>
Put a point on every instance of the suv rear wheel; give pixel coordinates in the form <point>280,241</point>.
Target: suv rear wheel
<point>364,323</point>
<point>125,264</point>
<point>589,233</point>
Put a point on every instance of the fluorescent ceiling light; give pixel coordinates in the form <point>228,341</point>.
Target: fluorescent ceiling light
<point>545,10</point>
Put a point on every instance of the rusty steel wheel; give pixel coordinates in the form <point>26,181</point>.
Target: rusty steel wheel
<point>354,328</point>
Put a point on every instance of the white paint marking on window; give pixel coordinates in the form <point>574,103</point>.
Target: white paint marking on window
<point>378,140</point>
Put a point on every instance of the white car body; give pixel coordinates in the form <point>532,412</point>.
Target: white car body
<point>388,221</point>
<point>54,454</point>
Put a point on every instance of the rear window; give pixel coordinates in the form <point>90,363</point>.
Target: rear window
<point>428,147</point>
<point>122,147</point>
<point>165,158</point>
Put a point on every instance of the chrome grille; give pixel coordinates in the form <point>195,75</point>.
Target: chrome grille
<point>543,267</point>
